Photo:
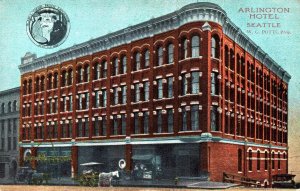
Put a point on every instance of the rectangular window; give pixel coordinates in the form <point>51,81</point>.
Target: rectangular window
<point>70,103</point>
<point>87,100</point>
<point>183,119</point>
<point>86,127</point>
<point>214,86</point>
<point>195,82</point>
<point>214,119</point>
<point>159,89</point>
<point>159,121</point>
<point>104,98</point>
<point>103,125</point>
<point>96,127</point>
<point>123,125</point>
<point>195,117</point>
<point>115,62</point>
<point>184,85</point>
<point>124,97</point>
<point>123,67</point>
<point>146,122</point>
<point>170,120</point>
<point>146,90</point>
<point>137,92</point>
<point>79,128</point>
<point>136,122</point>
<point>170,86</point>
<point>116,97</point>
<point>97,99</point>
<point>115,124</point>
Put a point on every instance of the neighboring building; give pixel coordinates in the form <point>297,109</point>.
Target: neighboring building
<point>9,123</point>
<point>185,94</point>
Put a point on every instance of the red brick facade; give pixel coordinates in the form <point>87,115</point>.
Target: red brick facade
<point>250,99</point>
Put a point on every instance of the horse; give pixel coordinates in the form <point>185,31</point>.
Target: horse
<point>105,178</point>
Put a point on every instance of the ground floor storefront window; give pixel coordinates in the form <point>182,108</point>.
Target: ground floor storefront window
<point>56,162</point>
<point>107,157</point>
<point>165,161</point>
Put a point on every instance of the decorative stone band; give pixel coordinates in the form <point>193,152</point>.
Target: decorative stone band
<point>201,11</point>
<point>205,137</point>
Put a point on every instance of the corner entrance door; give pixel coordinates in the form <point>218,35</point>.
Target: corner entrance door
<point>187,165</point>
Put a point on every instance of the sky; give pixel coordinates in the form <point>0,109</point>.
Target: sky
<point>94,18</point>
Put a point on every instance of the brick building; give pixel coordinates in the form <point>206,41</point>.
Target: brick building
<point>184,94</point>
<point>9,123</point>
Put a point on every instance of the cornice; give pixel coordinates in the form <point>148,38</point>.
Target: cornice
<point>187,14</point>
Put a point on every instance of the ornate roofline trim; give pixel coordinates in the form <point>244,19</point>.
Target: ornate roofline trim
<point>201,11</point>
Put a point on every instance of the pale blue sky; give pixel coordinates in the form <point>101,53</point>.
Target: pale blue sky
<point>94,18</point>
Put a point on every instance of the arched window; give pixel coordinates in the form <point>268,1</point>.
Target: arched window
<point>147,59</point>
<point>184,49</point>
<point>25,87</point>
<point>266,160</point>
<point>49,78</point>
<point>9,107</point>
<point>115,67</point>
<point>170,53</point>
<point>195,46</point>
<point>137,61</point>
<point>15,105</point>
<point>86,75</point>
<point>42,86</point>
<point>30,86</point>
<point>226,57</point>
<point>64,78</point>
<point>96,71</point>
<point>123,68</point>
<point>55,80</point>
<point>80,74</point>
<point>70,77</point>
<point>215,49</point>
<point>250,160</point>
<point>103,69</point>
<point>273,161</point>
<point>37,84</point>
<point>240,160</point>
<point>160,58</point>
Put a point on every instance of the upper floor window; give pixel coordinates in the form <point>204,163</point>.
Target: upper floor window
<point>184,84</point>
<point>195,117</point>
<point>115,67</point>
<point>86,76</point>
<point>25,87</point>
<point>123,92</point>
<point>103,101</point>
<point>146,91</point>
<point>9,107</point>
<point>170,86</point>
<point>137,92</point>
<point>123,65</point>
<point>170,53</point>
<point>160,58</point>
<point>170,120</point>
<point>184,48</point>
<point>30,86</point>
<point>116,96</point>
<point>195,82</point>
<point>215,50</point>
<point>103,69</point>
<point>15,105</point>
<point>80,71</point>
<point>214,118</point>
<point>195,46</point>
<point>37,84</point>
<point>214,84</point>
<point>96,71</point>
<point>159,121</point>
<point>64,80</point>
<point>147,59</point>
<point>159,88</point>
<point>70,77</point>
<point>55,80</point>
<point>137,61</point>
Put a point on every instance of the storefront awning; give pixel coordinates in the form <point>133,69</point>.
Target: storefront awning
<point>142,157</point>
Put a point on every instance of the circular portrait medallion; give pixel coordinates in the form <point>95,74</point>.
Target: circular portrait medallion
<point>48,26</point>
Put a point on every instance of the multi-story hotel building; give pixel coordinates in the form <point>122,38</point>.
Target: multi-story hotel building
<point>184,94</point>
<point>9,123</point>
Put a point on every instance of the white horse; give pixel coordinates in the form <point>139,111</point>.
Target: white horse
<point>105,178</point>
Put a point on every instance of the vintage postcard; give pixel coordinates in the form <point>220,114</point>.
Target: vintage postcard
<point>139,93</point>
